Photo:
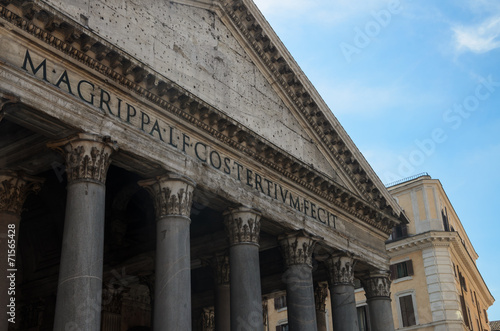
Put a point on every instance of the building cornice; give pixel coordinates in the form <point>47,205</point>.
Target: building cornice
<point>443,239</point>
<point>460,251</point>
<point>49,26</point>
<point>420,241</point>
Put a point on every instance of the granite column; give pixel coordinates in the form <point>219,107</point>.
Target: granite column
<point>340,268</point>
<point>79,290</point>
<point>14,188</point>
<point>172,195</point>
<point>220,265</point>
<point>243,227</point>
<point>297,249</point>
<point>378,297</point>
<point>320,295</point>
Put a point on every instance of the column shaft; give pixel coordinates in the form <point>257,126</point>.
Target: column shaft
<point>243,227</point>
<point>321,320</point>
<point>173,274</point>
<point>320,295</point>
<point>14,188</point>
<point>246,297</point>
<point>341,281</point>
<point>343,307</point>
<point>80,275</point>
<point>222,308</point>
<point>79,291</point>
<point>378,297</point>
<point>297,249</point>
<point>300,298</point>
<point>173,195</point>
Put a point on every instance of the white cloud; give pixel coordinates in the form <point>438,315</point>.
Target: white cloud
<point>479,38</point>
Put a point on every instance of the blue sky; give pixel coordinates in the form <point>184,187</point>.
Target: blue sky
<point>416,84</point>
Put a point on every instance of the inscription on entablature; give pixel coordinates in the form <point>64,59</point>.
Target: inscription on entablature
<point>115,104</point>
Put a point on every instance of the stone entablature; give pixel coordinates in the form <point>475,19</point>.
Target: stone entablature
<point>99,56</point>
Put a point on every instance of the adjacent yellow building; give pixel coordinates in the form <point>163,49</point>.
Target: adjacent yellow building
<point>435,281</point>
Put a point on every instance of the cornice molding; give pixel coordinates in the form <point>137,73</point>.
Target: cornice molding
<point>420,241</point>
<point>64,35</point>
<point>471,268</point>
<point>443,239</point>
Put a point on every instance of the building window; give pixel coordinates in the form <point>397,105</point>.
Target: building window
<point>401,269</point>
<point>400,231</point>
<point>407,310</point>
<point>362,318</point>
<point>464,311</point>
<point>444,217</point>
<point>282,327</point>
<point>280,303</point>
<point>463,283</point>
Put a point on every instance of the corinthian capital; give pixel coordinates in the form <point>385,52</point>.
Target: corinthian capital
<point>320,295</point>
<point>340,269</point>
<point>172,194</point>
<point>208,319</point>
<point>377,285</point>
<point>243,225</point>
<point>14,188</point>
<point>220,266</point>
<point>297,248</point>
<point>87,156</point>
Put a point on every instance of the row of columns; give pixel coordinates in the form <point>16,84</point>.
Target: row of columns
<point>238,300</point>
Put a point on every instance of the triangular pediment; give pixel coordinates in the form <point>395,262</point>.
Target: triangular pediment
<point>217,59</point>
<point>220,58</point>
<point>257,82</point>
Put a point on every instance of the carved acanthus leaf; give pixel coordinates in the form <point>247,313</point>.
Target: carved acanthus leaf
<point>172,194</point>
<point>87,156</point>
<point>377,286</point>
<point>243,225</point>
<point>14,188</point>
<point>297,248</point>
<point>340,269</point>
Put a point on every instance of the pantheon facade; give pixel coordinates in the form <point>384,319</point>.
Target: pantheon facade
<point>161,157</point>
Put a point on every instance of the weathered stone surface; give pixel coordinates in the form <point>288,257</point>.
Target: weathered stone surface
<point>193,46</point>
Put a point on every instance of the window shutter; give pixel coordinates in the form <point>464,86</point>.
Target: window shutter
<point>394,233</point>
<point>404,230</point>
<point>409,267</point>
<point>464,310</point>
<point>407,312</point>
<point>393,270</point>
